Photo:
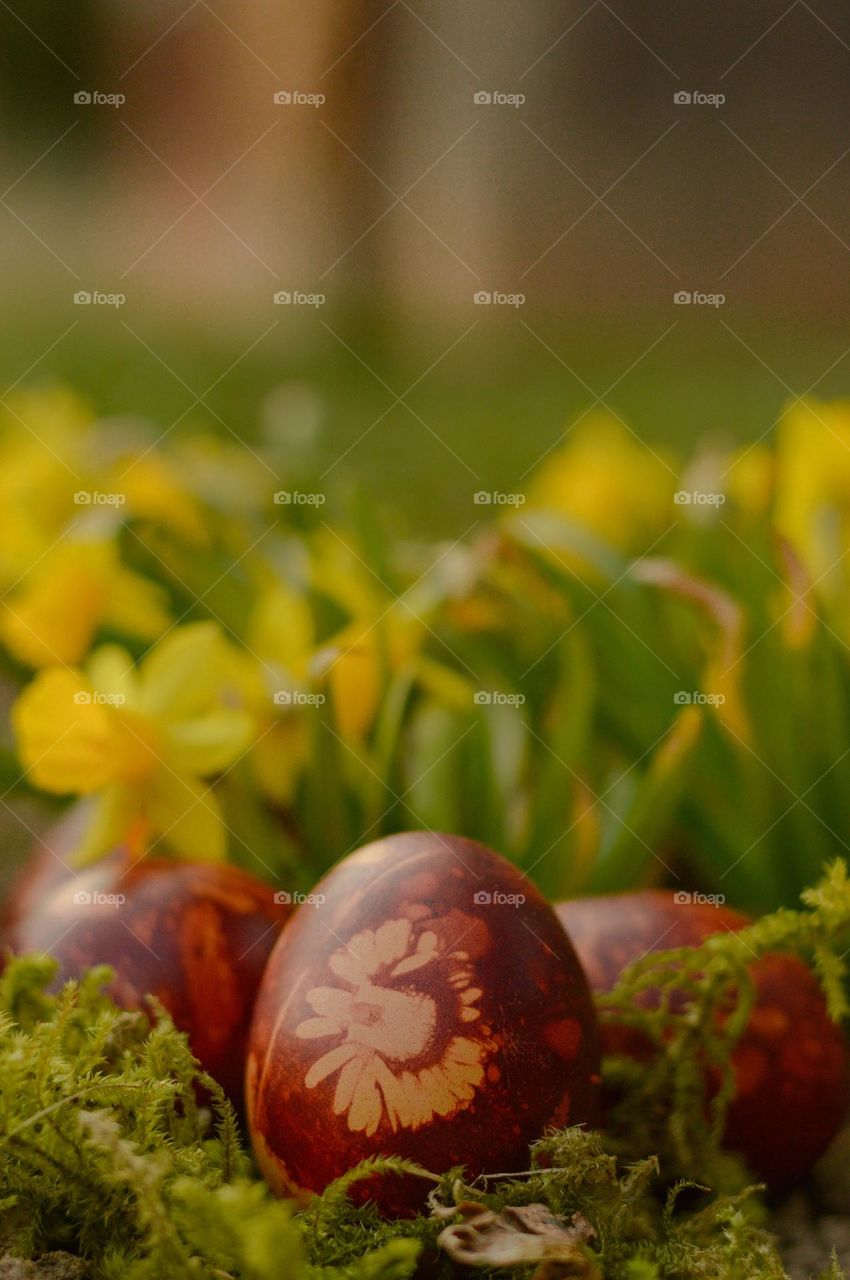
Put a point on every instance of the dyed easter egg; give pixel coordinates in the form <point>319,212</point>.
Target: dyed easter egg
<point>195,935</point>
<point>47,865</point>
<point>427,1005</point>
<point>791,1064</point>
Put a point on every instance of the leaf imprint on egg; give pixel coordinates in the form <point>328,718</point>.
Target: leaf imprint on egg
<point>405,1025</point>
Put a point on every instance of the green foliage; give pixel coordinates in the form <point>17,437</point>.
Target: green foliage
<point>116,1149</point>
<point>107,1152</point>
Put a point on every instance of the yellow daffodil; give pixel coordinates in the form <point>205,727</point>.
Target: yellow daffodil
<point>812,502</point>
<point>276,684</point>
<point>358,663</point>
<point>750,478</point>
<point>43,436</point>
<point>152,489</point>
<point>140,739</point>
<point>384,636</point>
<point>608,481</point>
<point>53,614</point>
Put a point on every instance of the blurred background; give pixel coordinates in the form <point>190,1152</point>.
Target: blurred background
<point>584,163</point>
<point>589,262</point>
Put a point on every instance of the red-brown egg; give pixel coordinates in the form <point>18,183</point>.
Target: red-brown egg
<point>48,864</point>
<point>792,1065</point>
<point>427,1005</point>
<point>195,935</point>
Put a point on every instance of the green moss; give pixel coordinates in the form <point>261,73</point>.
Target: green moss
<point>107,1155</point>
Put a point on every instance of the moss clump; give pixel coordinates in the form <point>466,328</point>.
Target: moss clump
<point>110,1166</point>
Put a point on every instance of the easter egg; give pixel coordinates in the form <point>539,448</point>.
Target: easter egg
<point>791,1064</point>
<point>427,1005</point>
<point>194,935</point>
<point>46,866</point>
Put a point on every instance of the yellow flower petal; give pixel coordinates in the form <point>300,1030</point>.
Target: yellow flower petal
<point>281,630</point>
<point>52,617</point>
<point>154,491</point>
<point>608,481</point>
<point>113,815</point>
<point>750,479</point>
<point>183,673</point>
<point>111,671</point>
<point>812,503</point>
<point>208,743</point>
<point>279,757</point>
<point>354,679</point>
<point>66,740</point>
<point>186,816</point>
<point>135,606</point>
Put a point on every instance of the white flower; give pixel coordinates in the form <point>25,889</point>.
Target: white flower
<point>398,1055</point>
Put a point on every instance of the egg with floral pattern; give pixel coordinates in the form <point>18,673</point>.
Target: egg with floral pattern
<point>426,1003</point>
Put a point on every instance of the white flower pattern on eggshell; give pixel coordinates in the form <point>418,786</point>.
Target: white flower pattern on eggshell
<point>385,1027</point>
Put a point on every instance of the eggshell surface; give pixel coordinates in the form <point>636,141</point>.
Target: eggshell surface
<point>792,1064</point>
<point>429,1005</point>
<point>195,935</point>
